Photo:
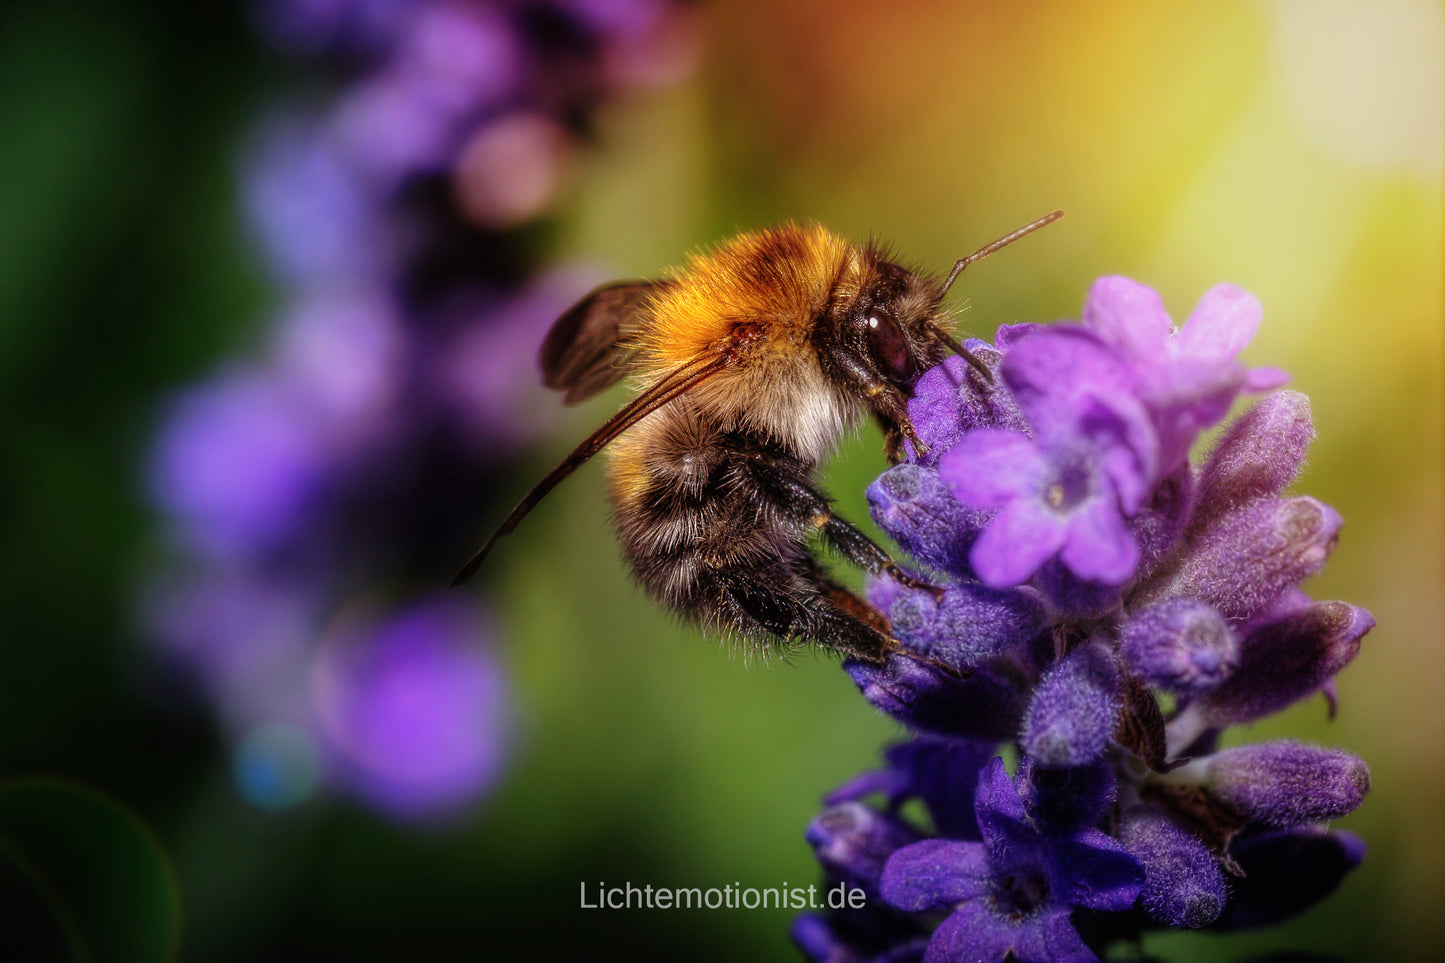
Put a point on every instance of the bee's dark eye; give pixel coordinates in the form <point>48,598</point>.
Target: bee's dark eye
<point>889,348</point>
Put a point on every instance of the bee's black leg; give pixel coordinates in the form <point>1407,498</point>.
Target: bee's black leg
<point>808,608</point>
<point>889,404</point>
<point>811,510</point>
<point>893,441</point>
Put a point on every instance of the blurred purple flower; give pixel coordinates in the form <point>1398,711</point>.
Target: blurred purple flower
<point>398,375</point>
<point>413,708</point>
<point>234,466</point>
<point>314,221</point>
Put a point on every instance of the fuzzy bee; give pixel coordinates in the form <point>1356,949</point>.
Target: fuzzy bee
<point>750,363</point>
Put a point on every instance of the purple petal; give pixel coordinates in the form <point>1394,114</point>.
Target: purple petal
<point>1094,871</point>
<point>1224,322</point>
<point>943,774</point>
<point>1130,316</point>
<point>948,402</point>
<point>854,842</point>
<point>888,782</point>
<point>1068,797</point>
<point>935,872</point>
<point>1119,428</point>
<point>970,624</point>
<point>985,705</point>
<point>913,505</point>
<point>1058,374</point>
<point>1286,871</point>
<point>974,932</point>
<point>997,805</point>
<point>1098,546</point>
<point>1250,556</point>
<point>1287,660</point>
<point>1016,543</point>
<point>1180,644</point>
<point>989,467</point>
<point>1265,379</point>
<point>1161,520</point>
<point>1258,455</point>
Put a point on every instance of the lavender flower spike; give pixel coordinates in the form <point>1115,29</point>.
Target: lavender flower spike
<point>1110,608</point>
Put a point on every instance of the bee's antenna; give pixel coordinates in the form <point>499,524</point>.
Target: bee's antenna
<point>988,249</point>
<point>953,345</point>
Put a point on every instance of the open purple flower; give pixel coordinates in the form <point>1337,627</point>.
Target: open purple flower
<point>1014,891</point>
<point>1187,376</point>
<point>1069,489</point>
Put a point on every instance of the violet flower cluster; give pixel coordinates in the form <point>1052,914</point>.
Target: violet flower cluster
<point>319,493</point>
<point>1109,608</point>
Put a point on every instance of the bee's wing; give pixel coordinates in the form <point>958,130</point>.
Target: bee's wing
<point>587,348</point>
<point>673,385</point>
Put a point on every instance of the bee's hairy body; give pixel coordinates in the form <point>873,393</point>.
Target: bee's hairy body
<point>713,495</point>
<point>750,362</point>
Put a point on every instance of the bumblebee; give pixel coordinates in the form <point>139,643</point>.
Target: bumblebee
<point>750,362</point>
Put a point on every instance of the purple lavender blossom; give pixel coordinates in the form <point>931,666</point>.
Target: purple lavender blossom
<point>1188,377</point>
<point>1117,608</point>
<point>347,454</point>
<point>1014,891</point>
<point>1067,490</point>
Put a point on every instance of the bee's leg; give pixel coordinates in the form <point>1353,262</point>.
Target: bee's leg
<point>858,548</point>
<point>890,405</point>
<point>893,441</point>
<point>851,604</point>
<point>811,511</point>
<point>805,608</point>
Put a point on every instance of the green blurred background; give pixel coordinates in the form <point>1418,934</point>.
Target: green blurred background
<point>1293,148</point>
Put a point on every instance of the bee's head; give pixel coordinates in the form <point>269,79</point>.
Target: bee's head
<point>887,323</point>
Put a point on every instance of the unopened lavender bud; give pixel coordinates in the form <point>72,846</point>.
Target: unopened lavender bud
<point>1286,783</point>
<point>1286,871</point>
<point>1183,883</point>
<point>1180,644</point>
<point>1078,598</point>
<point>1258,456</point>
<point>951,399</point>
<point>1071,718</point>
<point>854,841</point>
<point>1253,555</point>
<point>1285,661</point>
<point>970,624</point>
<point>982,706</point>
<point>1159,526</point>
<point>914,506</point>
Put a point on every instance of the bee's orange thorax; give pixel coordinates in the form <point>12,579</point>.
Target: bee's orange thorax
<point>779,278</point>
